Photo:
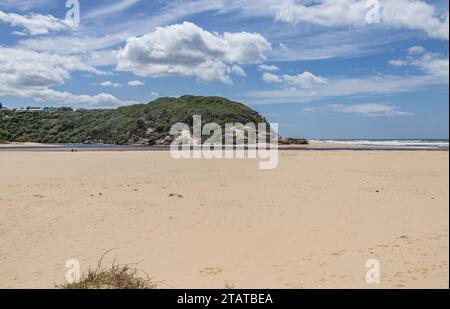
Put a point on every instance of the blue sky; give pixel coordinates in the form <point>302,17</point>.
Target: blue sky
<point>321,69</point>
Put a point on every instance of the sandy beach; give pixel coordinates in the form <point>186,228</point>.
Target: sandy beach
<point>311,223</point>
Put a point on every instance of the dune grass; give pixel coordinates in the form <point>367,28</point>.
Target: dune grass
<point>113,277</point>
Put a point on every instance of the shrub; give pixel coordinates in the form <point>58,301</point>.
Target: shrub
<point>114,277</point>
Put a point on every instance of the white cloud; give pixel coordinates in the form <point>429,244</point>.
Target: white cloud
<point>135,83</point>
<point>109,83</point>
<point>416,15</point>
<point>348,40</point>
<point>28,68</point>
<point>268,68</point>
<point>102,100</point>
<point>74,44</point>
<point>346,87</point>
<point>25,5</point>
<point>416,50</point>
<point>117,31</point>
<point>397,63</point>
<point>111,9</point>
<point>154,95</point>
<point>19,33</point>
<point>307,87</point>
<point>316,43</point>
<point>406,14</point>
<point>188,50</point>
<point>283,47</point>
<point>306,80</point>
<point>29,74</point>
<point>237,70</point>
<point>34,24</point>
<point>271,78</point>
<point>370,109</point>
<point>433,64</point>
<point>100,58</point>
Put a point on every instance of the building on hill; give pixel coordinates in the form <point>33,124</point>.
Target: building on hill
<point>32,109</point>
<point>50,109</point>
<point>3,108</point>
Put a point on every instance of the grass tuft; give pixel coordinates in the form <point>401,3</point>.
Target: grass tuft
<point>114,277</point>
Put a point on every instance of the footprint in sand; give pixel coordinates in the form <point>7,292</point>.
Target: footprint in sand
<point>211,271</point>
<point>338,253</point>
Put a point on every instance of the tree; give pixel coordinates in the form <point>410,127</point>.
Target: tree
<point>1,105</point>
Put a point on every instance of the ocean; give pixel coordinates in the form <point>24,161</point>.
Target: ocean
<point>406,143</point>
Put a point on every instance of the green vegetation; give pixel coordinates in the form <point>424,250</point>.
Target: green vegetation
<point>147,124</point>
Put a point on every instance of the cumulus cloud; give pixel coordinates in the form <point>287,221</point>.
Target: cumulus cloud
<point>305,80</point>
<point>29,74</point>
<point>307,87</point>
<point>34,24</point>
<point>433,64</point>
<point>188,50</point>
<point>237,70</point>
<point>407,14</point>
<point>135,83</point>
<point>102,100</point>
<point>271,78</point>
<point>28,68</point>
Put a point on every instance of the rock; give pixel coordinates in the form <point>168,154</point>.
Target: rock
<point>176,195</point>
<point>293,141</point>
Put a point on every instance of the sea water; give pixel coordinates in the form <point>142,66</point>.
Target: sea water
<point>395,143</point>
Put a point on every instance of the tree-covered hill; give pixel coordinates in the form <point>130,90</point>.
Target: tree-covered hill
<point>137,124</point>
